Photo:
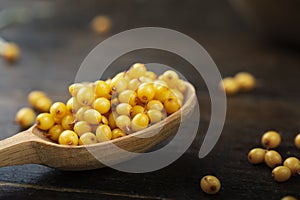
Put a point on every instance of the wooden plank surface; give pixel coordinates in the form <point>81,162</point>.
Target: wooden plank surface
<point>53,51</point>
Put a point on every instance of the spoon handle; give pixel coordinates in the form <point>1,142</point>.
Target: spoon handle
<point>18,149</point>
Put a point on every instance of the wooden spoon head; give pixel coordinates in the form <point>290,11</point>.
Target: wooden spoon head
<point>74,158</point>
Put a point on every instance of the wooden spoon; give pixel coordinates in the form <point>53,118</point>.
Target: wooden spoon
<point>33,147</point>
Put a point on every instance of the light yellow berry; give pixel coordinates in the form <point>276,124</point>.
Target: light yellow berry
<point>68,137</point>
<point>44,121</point>
<point>210,184</point>
<point>25,117</point>
<point>281,173</point>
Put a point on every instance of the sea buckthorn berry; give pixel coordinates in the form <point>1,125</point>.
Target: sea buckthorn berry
<point>80,112</point>
<point>139,122</point>
<point>137,109</point>
<point>82,127</point>
<point>273,158</point>
<point>293,164</point>
<point>43,104</point>
<point>124,109</point>
<point>171,78</point>
<point>256,155</point>
<point>144,79</point>
<point>210,184</point>
<point>92,116</point>
<point>111,121</point>
<point>58,110</point>
<point>154,115</point>
<point>103,133</point>
<point>146,92</point>
<point>123,122</point>
<point>245,80</point>
<point>11,52</point>
<point>119,84</point>
<point>288,198</point>
<point>102,105</point>
<point>87,138</point>
<point>171,105</point>
<point>162,93</point>
<point>281,173</point>
<point>177,94</point>
<point>102,89</point>
<point>34,96</point>
<point>85,96</point>
<point>44,121</point>
<point>134,84</point>
<point>297,141</point>
<point>117,133</point>
<point>57,120</point>
<point>128,96</point>
<point>155,104</point>
<point>151,75</point>
<point>25,117</point>
<point>229,86</point>
<point>68,137</point>
<point>157,83</point>
<point>55,132</point>
<point>181,86</point>
<point>101,24</point>
<point>68,122</point>
<point>271,139</point>
<point>74,88</point>
<point>136,70</point>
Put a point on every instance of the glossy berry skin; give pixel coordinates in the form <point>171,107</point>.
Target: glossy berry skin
<point>155,104</point>
<point>80,112</point>
<point>43,104</point>
<point>117,133</point>
<point>281,174</point>
<point>146,92</point>
<point>154,116</point>
<point>25,117</point>
<point>55,132</point>
<point>102,105</point>
<point>58,110</point>
<point>271,139</point>
<point>297,141</point>
<point>82,127</point>
<point>171,105</point>
<point>85,96</point>
<point>11,52</point>
<point>102,89</point>
<point>68,137</point>
<point>139,122</point>
<point>103,133</point>
<point>92,116</point>
<point>87,138</point>
<point>273,158</point>
<point>68,122</point>
<point>137,109</point>
<point>136,70</point>
<point>256,155</point>
<point>124,109</point>
<point>288,198</point>
<point>210,184</point>
<point>44,121</point>
<point>123,122</point>
<point>293,164</point>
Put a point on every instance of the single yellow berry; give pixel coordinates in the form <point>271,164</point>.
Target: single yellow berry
<point>55,132</point>
<point>271,139</point>
<point>293,164</point>
<point>229,85</point>
<point>92,116</point>
<point>68,122</point>
<point>82,127</point>
<point>101,24</point>
<point>44,121</point>
<point>146,92</point>
<point>116,133</point>
<point>245,81</point>
<point>34,96</point>
<point>103,133</point>
<point>139,122</point>
<point>273,158</point>
<point>43,104</point>
<point>87,138</point>
<point>68,137</point>
<point>102,105</point>
<point>256,155</point>
<point>25,117</point>
<point>281,173</point>
<point>210,184</point>
<point>11,52</point>
<point>58,110</point>
<point>171,105</point>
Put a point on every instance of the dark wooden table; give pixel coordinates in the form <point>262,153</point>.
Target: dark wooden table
<point>53,48</point>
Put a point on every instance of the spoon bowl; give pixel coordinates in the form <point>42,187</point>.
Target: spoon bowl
<point>33,147</point>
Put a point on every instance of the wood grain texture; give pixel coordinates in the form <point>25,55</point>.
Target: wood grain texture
<point>53,51</point>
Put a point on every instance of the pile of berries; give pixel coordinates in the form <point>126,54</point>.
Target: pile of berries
<point>104,110</point>
<point>273,159</point>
